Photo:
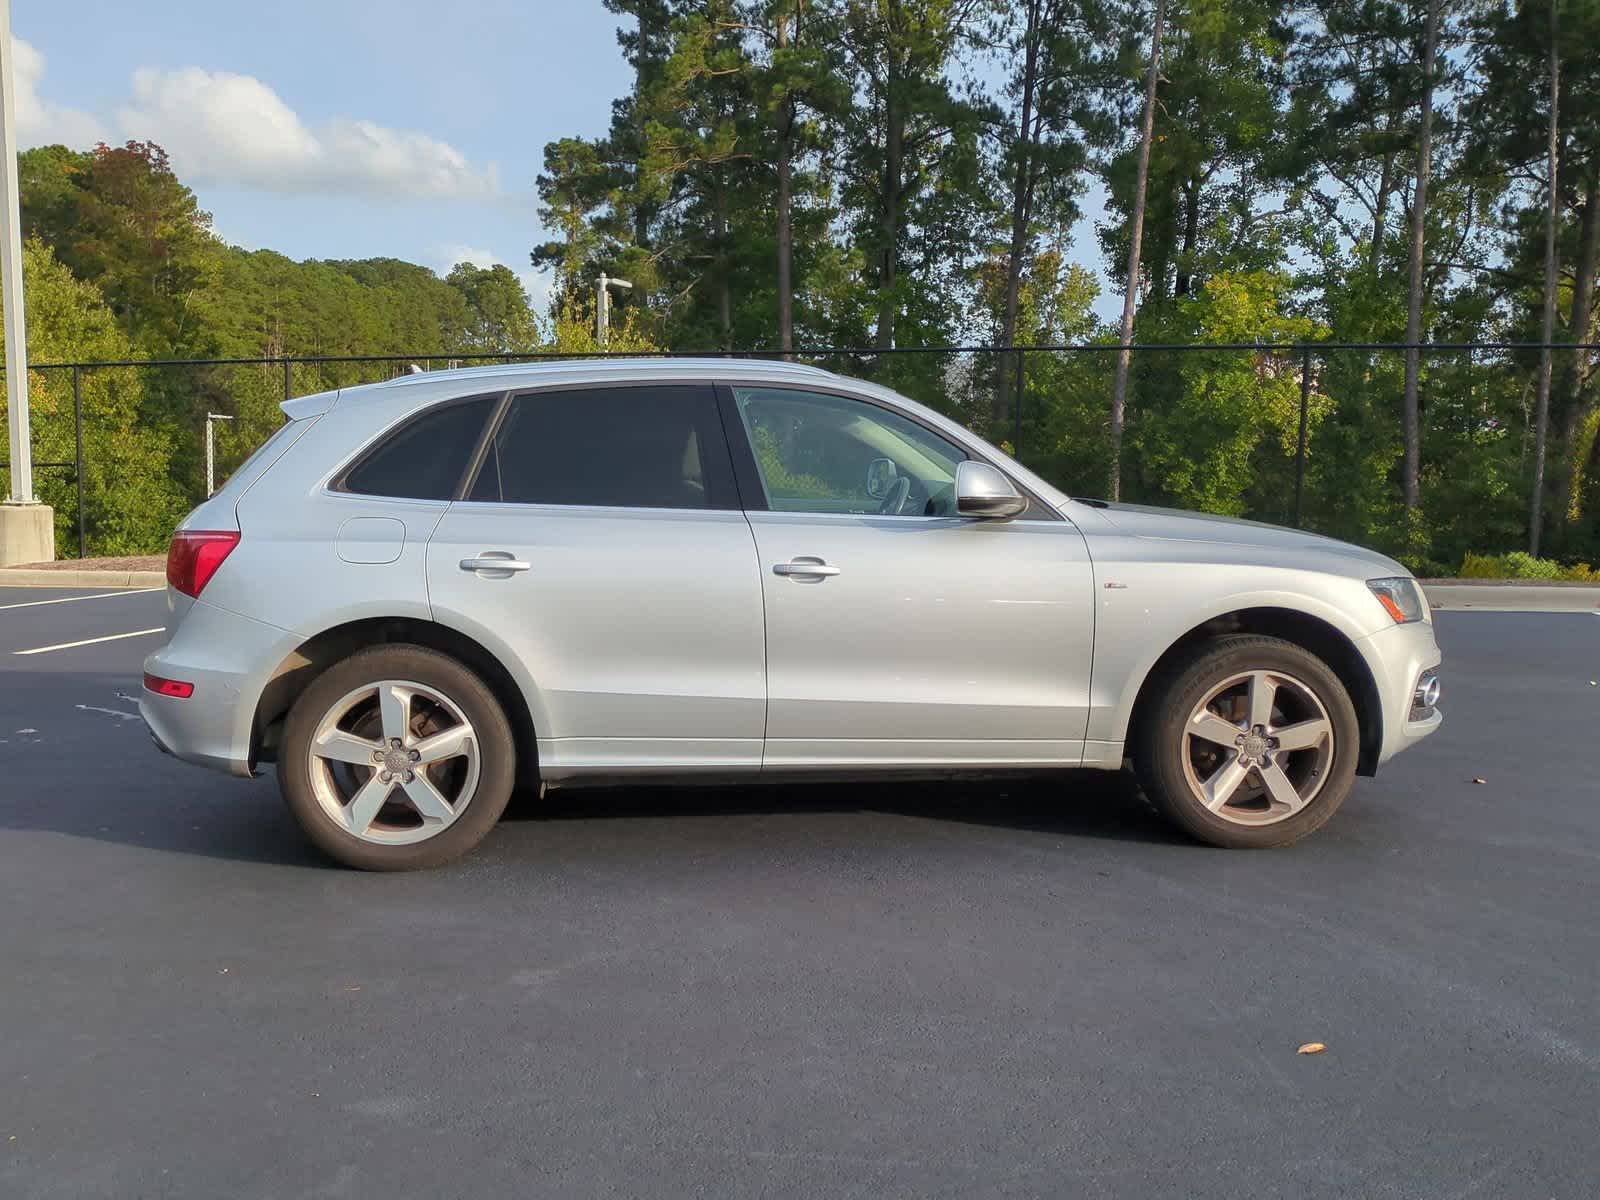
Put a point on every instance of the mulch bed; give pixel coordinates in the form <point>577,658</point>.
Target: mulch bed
<point>143,562</point>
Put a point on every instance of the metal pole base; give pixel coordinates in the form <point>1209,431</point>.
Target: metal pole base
<point>27,534</point>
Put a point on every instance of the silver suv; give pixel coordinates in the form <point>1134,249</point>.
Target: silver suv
<point>419,594</point>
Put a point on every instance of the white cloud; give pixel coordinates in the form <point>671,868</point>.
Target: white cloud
<point>40,123</point>
<point>540,286</point>
<point>450,254</point>
<point>224,128</point>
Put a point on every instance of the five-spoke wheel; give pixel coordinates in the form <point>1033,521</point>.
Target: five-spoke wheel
<point>397,757</point>
<point>1252,742</point>
<point>394,761</point>
<point>1259,745</point>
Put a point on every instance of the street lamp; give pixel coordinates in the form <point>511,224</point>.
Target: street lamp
<point>602,306</point>
<point>211,450</point>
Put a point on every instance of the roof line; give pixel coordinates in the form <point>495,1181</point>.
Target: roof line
<point>670,366</point>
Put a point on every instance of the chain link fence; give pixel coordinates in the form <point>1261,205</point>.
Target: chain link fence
<point>1307,435</point>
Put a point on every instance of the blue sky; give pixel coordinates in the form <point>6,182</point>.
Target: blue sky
<point>335,128</point>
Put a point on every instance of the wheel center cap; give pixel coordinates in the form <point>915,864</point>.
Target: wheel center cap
<point>1254,746</point>
<point>397,762</point>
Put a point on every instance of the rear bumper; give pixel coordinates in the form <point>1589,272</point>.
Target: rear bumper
<point>1398,658</point>
<point>229,659</point>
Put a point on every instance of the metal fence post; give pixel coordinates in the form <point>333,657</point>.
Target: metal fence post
<point>288,380</point>
<point>1300,449</point>
<point>77,426</point>
<point>1016,444</point>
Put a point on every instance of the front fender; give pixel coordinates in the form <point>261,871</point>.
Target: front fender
<point>1144,609</point>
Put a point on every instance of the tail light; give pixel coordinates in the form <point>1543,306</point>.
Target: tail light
<point>195,555</point>
<point>176,688</point>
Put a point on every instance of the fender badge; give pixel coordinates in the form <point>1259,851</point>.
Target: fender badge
<point>1121,587</point>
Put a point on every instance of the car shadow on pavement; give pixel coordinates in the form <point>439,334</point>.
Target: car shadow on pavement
<point>185,812</point>
<point>1094,804</point>
<point>67,740</point>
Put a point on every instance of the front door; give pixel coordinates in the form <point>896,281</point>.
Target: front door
<point>602,548</point>
<point>897,631</point>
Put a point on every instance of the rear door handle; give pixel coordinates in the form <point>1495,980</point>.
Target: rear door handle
<point>805,567</point>
<point>496,561</point>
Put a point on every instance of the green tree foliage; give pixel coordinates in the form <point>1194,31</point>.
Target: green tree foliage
<point>498,313</point>
<point>130,501</point>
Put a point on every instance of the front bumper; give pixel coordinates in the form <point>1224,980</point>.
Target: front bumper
<point>229,659</point>
<point>1398,658</point>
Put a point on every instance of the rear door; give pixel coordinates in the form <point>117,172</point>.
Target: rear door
<point>898,632</point>
<point>601,541</point>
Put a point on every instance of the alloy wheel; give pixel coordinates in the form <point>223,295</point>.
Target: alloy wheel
<point>1257,747</point>
<point>394,762</point>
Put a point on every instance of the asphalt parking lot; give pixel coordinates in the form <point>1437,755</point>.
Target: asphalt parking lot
<point>1021,990</point>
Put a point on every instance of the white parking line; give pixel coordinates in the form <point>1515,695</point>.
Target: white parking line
<point>114,637</point>
<point>70,599</point>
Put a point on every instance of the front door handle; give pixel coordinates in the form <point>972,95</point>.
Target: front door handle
<point>805,567</point>
<point>496,562</point>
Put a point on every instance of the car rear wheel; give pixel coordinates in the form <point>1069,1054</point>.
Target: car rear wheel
<point>1252,743</point>
<point>397,758</point>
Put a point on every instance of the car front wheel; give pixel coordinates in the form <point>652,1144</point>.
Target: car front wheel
<point>396,758</point>
<point>1252,743</point>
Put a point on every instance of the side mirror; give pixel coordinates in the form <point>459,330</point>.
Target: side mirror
<point>984,491</point>
<point>881,474</point>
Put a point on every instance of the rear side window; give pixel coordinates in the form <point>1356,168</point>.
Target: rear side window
<point>655,446</point>
<point>263,456</point>
<point>425,458</point>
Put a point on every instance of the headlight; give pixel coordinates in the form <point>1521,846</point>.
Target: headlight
<point>1401,598</point>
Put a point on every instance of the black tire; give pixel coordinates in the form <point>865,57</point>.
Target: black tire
<point>496,750</point>
<point>1160,745</point>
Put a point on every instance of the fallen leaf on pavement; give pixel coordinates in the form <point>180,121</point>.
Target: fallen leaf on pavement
<point>1311,1048</point>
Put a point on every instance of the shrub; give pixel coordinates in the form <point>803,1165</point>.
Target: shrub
<point>1482,566</point>
<point>1427,568</point>
<point>1520,565</point>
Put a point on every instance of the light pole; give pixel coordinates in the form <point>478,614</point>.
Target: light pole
<point>602,306</point>
<point>27,528</point>
<point>211,450</point>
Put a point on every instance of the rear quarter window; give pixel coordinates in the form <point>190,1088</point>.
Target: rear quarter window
<point>263,456</point>
<point>425,456</point>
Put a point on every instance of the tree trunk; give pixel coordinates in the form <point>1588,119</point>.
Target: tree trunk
<point>1191,233</point>
<point>1119,392</point>
<point>893,153</point>
<point>1380,211</point>
<point>1581,332</point>
<point>785,207</point>
<point>1547,319</point>
<point>1021,209</point>
<point>1419,214</point>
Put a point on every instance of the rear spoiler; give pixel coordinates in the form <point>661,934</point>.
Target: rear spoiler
<point>313,405</point>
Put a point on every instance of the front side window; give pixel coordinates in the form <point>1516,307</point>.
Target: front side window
<point>817,453</point>
<point>425,457</point>
<point>654,446</point>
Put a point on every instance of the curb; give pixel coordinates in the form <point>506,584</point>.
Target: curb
<point>35,577</point>
<point>1519,597</point>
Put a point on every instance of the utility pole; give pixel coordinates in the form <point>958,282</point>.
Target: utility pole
<point>602,306</point>
<point>27,528</point>
<point>211,450</point>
